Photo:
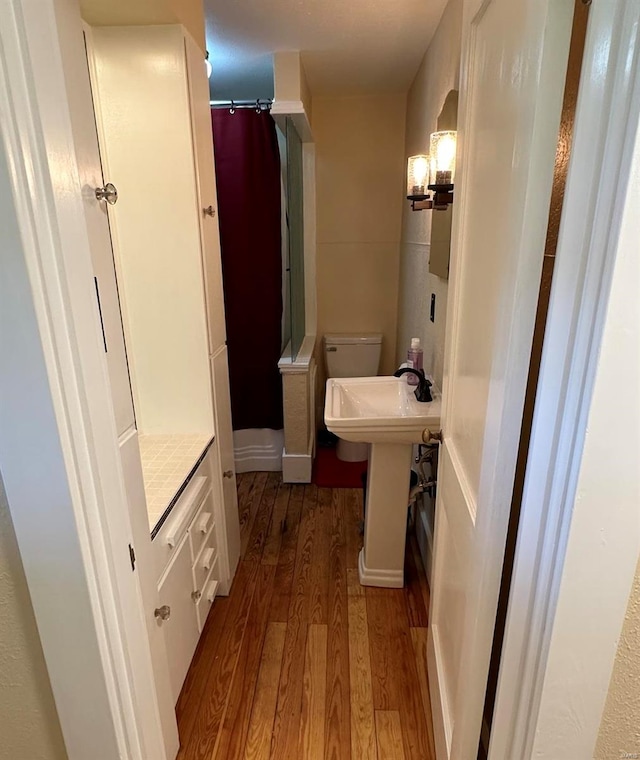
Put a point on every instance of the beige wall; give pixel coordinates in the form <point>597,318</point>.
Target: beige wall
<point>29,726</point>
<point>359,154</point>
<point>290,79</point>
<point>620,725</point>
<point>438,73</point>
<point>189,13</point>
<point>286,75</point>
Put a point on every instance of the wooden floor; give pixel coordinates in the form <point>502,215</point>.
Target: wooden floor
<point>300,661</point>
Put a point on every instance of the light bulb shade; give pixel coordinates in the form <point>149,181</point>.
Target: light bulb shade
<point>443,158</point>
<point>208,66</point>
<point>417,176</point>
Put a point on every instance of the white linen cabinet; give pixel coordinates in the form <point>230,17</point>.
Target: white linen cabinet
<point>159,286</point>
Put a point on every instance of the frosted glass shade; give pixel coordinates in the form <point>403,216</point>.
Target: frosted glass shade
<point>417,176</point>
<point>443,158</point>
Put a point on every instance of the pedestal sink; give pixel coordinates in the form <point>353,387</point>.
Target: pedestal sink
<point>384,412</point>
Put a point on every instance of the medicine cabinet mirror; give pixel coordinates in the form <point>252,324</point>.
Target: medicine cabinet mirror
<point>441,220</point>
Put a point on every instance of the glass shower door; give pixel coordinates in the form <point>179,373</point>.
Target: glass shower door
<point>295,207</point>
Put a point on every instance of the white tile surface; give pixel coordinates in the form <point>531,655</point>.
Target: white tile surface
<point>167,460</point>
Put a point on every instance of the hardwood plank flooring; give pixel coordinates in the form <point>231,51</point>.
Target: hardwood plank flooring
<point>338,706</point>
<point>363,740</point>
<point>389,735</point>
<point>263,710</point>
<point>300,662</point>
<point>312,726</point>
<point>419,637</point>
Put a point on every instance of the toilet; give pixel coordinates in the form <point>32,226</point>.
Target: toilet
<point>352,355</point>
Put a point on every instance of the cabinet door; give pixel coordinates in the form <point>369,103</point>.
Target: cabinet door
<point>224,441</point>
<point>145,567</point>
<point>181,629</point>
<point>107,297</point>
<point>206,188</point>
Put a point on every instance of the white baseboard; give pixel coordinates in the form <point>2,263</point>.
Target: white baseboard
<point>258,450</point>
<point>297,468</point>
<point>442,729</point>
<point>379,578</point>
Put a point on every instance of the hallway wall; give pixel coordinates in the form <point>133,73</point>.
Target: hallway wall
<point>28,718</point>
<point>359,150</point>
<point>438,73</point>
<point>621,716</point>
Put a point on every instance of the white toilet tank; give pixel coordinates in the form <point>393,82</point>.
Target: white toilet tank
<point>351,355</point>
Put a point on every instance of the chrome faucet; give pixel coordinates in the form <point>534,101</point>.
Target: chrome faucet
<point>423,389</point>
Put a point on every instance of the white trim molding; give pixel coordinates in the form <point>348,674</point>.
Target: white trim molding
<point>299,365</point>
<point>58,444</point>
<point>439,698</point>
<point>297,468</point>
<point>379,578</point>
<point>295,109</point>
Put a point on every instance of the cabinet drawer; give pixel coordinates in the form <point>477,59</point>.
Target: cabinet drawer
<point>209,593</point>
<point>165,543</point>
<point>201,526</point>
<point>205,561</point>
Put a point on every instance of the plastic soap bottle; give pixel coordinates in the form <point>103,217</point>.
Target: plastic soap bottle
<point>414,360</point>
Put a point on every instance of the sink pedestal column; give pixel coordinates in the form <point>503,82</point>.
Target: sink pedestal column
<point>381,561</point>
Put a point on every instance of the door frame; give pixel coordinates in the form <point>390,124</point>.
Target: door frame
<point>607,118</point>
<point>74,426</point>
<point>72,524</point>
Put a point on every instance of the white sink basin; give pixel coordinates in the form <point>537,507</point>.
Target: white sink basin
<point>379,410</point>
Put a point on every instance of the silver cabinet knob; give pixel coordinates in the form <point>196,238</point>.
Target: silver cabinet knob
<point>196,595</point>
<point>107,193</point>
<point>162,613</point>
<point>227,474</point>
<point>209,211</point>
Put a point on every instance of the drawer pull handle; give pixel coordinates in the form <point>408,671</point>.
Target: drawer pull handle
<point>207,558</point>
<point>203,522</point>
<point>162,613</point>
<point>227,474</point>
<point>196,596</point>
<point>211,591</point>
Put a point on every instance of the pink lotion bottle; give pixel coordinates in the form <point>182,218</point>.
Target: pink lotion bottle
<point>414,360</point>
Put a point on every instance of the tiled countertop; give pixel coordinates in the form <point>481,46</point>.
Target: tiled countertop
<point>167,461</point>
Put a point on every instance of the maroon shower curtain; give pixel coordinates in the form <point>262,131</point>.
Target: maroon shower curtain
<point>248,180</point>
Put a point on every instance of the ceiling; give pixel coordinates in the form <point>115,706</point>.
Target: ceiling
<point>348,47</point>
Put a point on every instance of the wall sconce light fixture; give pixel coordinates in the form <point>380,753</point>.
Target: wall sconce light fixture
<point>208,66</point>
<point>443,167</point>
<point>433,172</point>
<point>418,170</point>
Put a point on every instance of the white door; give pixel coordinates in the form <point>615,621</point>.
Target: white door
<point>181,630</point>
<point>103,264</point>
<point>223,458</point>
<point>225,461</point>
<point>513,64</point>
<point>104,270</point>
<point>202,136</point>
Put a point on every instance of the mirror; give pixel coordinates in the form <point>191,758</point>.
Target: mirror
<point>441,219</point>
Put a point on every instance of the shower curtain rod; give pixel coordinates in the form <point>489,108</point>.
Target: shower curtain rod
<point>262,104</point>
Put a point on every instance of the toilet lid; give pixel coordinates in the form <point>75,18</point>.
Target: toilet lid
<point>342,339</point>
